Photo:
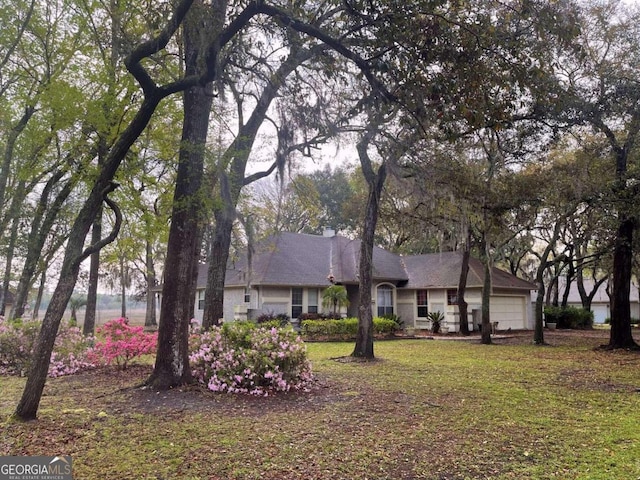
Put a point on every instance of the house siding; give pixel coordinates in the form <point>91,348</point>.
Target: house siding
<point>197,312</point>
<point>512,310</point>
<point>406,313</point>
<point>406,306</point>
<point>234,297</point>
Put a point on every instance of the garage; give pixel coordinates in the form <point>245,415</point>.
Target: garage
<point>600,313</point>
<point>509,312</point>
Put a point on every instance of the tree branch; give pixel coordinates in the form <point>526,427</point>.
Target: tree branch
<point>96,247</point>
<point>148,48</point>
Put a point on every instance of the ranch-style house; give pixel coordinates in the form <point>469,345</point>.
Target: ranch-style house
<point>289,272</point>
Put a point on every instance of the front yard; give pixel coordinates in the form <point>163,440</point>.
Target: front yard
<point>427,409</point>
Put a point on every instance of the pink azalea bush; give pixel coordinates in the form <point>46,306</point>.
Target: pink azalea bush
<point>242,358</point>
<point>122,343</point>
<point>17,339</point>
<point>71,352</point>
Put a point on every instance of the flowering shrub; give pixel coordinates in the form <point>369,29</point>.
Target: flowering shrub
<point>243,358</point>
<point>71,351</point>
<point>17,339</point>
<point>122,342</point>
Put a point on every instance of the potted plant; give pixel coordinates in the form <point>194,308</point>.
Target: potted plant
<point>436,320</point>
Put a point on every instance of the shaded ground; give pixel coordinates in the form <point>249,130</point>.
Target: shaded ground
<point>428,409</point>
<point>123,394</point>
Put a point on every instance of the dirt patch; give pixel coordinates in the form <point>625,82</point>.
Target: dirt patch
<point>124,392</point>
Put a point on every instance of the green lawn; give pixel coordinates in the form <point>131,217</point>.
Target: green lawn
<point>426,410</point>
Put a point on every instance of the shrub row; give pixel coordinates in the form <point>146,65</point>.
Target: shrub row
<point>634,321</point>
<point>72,352</point>
<point>319,316</point>
<point>240,357</point>
<point>345,328</point>
<point>569,317</point>
<point>272,320</point>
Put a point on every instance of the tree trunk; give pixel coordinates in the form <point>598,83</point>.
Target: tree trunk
<point>218,257</point>
<point>462,286</point>
<point>89,325</point>
<point>102,185</point>
<point>555,289</point>
<point>36,307</point>
<point>231,184</point>
<point>14,213</point>
<point>40,228</point>
<point>123,289</point>
<point>13,236</point>
<point>621,336</point>
<point>172,359</point>
<point>364,338</point>
<point>32,393</point>
<point>7,158</point>
<point>74,255</point>
<point>587,298</point>
<point>28,406</point>
<point>538,332</point>
<point>486,302</point>
<point>150,312</point>
<point>486,289</point>
<point>567,288</point>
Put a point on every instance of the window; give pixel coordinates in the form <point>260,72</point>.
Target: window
<point>296,302</point>
<point>200,299</point>
<point>247,295</point>
<point>421,301</point>
<point>385,300</point>
<point>313,300</point>
<point>452,297</point>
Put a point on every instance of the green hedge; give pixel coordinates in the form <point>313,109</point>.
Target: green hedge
<point>569,317</point>
<point>634,321</point>
<point>345,328</point>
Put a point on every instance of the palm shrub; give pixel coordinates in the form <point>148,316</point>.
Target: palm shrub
<point>274,320</point>
<point>436,318</point>
<point>335,297</point>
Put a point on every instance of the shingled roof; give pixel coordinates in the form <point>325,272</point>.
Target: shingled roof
<point>443,270</point>
<point>300,259</point>
<point>294,259</point>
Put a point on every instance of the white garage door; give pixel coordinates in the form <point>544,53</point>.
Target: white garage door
<point>600,313</point>
<point>509,312</point>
